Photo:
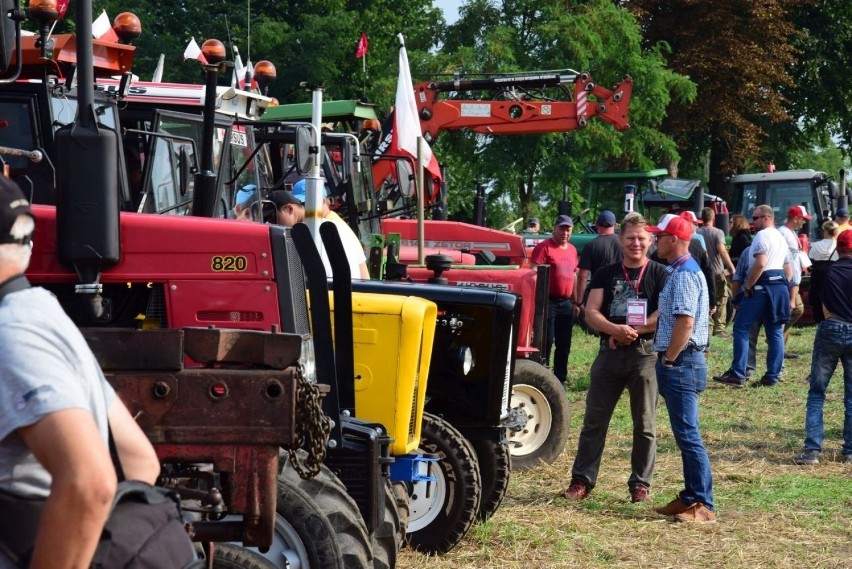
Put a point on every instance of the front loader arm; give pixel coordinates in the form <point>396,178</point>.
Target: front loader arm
<point>521,114</point>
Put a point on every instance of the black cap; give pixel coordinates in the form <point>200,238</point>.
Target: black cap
<point>284,197</point>
<point>564,220</point>
<point>532,221</point>
<point>12,204</point>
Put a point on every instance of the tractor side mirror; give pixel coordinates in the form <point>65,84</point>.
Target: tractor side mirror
<point>184,169</point>
<point>405,178</point>
<point>304,148</point>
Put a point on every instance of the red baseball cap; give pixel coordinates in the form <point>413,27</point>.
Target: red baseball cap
<point>673,225</point>
<point>798,211</point>
<point>844,240</point>
<point>691,217</point>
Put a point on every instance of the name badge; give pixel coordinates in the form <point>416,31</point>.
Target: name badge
<point>637,312</point>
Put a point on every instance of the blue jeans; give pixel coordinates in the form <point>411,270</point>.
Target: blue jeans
<point>560,326</point>
<point>752,310</point>
<point>679,386</point>
<point>833,342</point>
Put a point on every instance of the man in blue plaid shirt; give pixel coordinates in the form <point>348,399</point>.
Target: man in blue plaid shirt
<point>683,330</point>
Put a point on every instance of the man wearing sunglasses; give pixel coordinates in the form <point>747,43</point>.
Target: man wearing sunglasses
<point>766,297</point>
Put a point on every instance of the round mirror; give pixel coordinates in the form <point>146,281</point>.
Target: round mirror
<point>405,177</point>
<point>304,142</point>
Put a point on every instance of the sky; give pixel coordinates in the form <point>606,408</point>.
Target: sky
<point>450,9</point>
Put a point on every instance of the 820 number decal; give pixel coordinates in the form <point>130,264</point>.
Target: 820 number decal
<point>223,263</point>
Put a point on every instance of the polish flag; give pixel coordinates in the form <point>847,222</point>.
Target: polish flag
<point>193,51</point>
<point>406,128</point>
<point>102,29</point>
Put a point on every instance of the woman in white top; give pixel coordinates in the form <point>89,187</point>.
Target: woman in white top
<point>826,248</point>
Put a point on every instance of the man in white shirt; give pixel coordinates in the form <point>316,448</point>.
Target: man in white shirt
<point>766,297</point>
<point>796,217</point>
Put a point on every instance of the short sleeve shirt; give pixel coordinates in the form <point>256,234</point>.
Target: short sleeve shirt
<point>713,236</point>
<point>769,242</point>
<point>793,248</point>
<point>45,366</point>
<point>619,284</point>
<point>685,294</point>
<point>601,251</point>
<point>351,245</point>
<point>563,266</point>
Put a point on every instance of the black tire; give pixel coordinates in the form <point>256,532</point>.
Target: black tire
<point>400,494</point>
<point>386,540</point>
<point>495,466</point>
<point>542,397</point>
<point>329,524</point>
<point>442,512</point>
<point>227,556</point>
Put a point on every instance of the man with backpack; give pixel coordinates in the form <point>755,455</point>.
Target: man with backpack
<point>56,413</point>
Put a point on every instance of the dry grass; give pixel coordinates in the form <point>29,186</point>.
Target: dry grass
<point>771,513</point>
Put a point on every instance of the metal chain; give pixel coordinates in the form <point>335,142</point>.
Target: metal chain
<point>312,429</point>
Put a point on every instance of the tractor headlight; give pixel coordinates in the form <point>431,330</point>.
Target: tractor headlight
<point>464,356</point>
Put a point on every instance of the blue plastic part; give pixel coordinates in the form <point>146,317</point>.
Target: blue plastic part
<point>405,468</point>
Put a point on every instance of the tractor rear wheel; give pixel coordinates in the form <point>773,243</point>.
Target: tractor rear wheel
<point>537,392</point>
<point>495,466</point>
<point>441,512</point>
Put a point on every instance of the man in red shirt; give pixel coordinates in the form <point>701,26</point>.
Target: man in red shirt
<point>562,258</point>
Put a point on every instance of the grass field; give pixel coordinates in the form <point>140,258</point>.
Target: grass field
<point>772,513</point>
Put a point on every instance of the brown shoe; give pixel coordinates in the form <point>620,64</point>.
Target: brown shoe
<point>672,508</point>
<point>697,512</point>
<point>576,491</point>
<point>640,493</point>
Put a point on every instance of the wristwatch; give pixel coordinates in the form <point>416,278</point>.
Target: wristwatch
<point>749,291</point>
<point>667,362</point>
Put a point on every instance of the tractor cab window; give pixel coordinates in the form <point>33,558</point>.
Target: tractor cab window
<point>16,131</point>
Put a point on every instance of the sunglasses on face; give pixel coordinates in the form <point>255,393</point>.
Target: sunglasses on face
<point>756,217</point>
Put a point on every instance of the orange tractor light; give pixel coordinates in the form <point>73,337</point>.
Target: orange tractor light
<point>214,51</point>
<point>127,27</point>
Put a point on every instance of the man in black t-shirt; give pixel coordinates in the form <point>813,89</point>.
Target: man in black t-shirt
<point>833,342</point>
<point>603,250</point>
<point>622,306</point>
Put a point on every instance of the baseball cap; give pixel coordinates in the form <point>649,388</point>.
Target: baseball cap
<point>842,212</point>
<point>673,225</point>
<point>691,217</point>
<point>798,211</point>
<point>300,190</point>
<point>245,193</point>
<point>564,220</point>
<point>844,240</point>
<point>532,220</point>
<point>285,197</point>
<point>606,219</point>
<point>12,204</point>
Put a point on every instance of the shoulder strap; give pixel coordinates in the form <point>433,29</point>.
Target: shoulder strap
<point>14,284</point>
<point>113,452</point>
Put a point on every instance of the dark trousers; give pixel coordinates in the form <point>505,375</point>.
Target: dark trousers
<point>560,326</point>
<point>613,371</point>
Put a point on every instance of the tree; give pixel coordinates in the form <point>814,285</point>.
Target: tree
<point>739,53</point>
<point>526,174</point>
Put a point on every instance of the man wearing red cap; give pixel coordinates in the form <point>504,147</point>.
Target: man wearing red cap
<point>766,297</point>
<point>683,332</point>
<point>833,342</point>
<point>796,217</point>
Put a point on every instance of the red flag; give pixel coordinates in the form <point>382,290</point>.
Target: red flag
<point>193,51</point>
<point>62,7</point>
<point>363,44</point>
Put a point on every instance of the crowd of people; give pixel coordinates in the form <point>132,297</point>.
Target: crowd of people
<point>656,293</point>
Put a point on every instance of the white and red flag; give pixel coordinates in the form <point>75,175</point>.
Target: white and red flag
<point>62,7</point>
<point>102,28</point>
<point>193,51</point>
<point>406,128</point>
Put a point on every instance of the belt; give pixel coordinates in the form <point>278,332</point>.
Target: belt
<point>686,350</point>
<point>560,298</point>
<point>640,342</point>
